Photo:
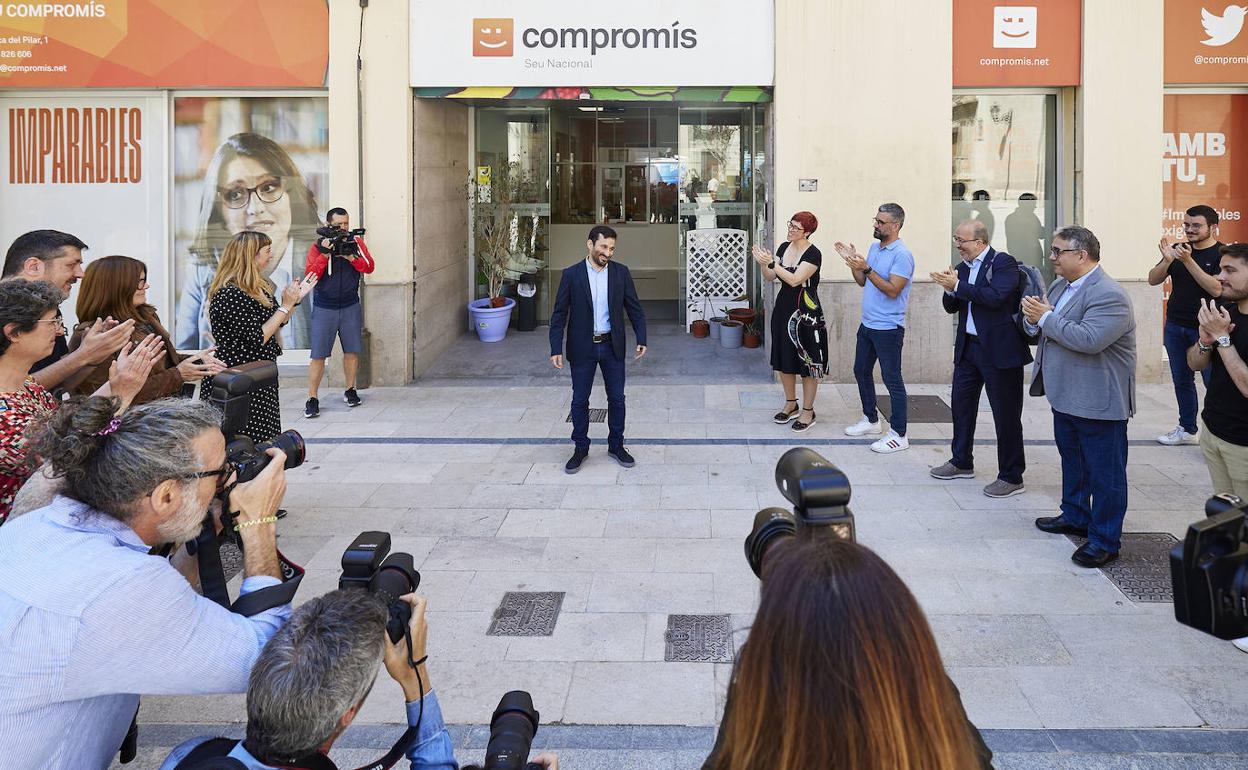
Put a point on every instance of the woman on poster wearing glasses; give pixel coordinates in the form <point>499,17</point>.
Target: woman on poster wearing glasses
<point>251,184</point>
<point>116,287</point>
<point>799,342</point>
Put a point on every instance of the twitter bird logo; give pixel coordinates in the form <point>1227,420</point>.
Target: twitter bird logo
<point>1225,28</point>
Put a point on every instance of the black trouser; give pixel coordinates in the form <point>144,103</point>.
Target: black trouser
<point>972,375</point>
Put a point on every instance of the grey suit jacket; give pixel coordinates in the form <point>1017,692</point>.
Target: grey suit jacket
<point>1086,355</point>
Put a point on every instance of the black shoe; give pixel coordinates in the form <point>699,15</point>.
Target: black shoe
<point>281,513</point>
<point>312,408</point>
<point>574,462</point>
<point>622,457</point>
<point>351,397</point>
<point>1089,555</point>
<point>1058,525</point>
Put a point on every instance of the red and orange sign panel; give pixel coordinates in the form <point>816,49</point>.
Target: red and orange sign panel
<point>1016,42</point>
<point>493,37</point>
<point>1205,161</point>
<point>1206,41</point>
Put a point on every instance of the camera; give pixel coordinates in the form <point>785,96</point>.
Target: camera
<point>511,734</point>
<point>1209,570</point>
<point>231,394</point>
<point>819,492</point>
<point>367,563</point>
<point>341,242</point>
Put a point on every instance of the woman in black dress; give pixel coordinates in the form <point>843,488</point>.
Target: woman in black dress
<point>245,319</point>
<point>799,343</point>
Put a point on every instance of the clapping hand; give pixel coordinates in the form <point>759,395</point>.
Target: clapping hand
<point>1183,252</point>
<point>1214,321</point>
<point>134,363</point>
<point>1035,307</point>
<point>849,253</point>
<point>200,365</point>
<point>762,256</point>
<point>1166,248</point>
<point>104,338</point>
<point>947,278</point>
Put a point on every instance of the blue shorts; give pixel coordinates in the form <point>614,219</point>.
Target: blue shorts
<point>345,323</point>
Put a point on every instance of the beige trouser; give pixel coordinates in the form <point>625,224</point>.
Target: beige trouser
<point>1228,464</point>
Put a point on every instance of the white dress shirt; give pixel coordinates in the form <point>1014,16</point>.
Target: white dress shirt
<point>598,290</point>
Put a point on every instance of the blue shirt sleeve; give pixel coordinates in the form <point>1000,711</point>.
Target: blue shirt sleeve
<point>433,750</point>
<point>903,265</point>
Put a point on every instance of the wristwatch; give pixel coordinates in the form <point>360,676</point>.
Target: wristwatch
<point>772,266</point>
<point>1224,341</point>
<point>866,270</point>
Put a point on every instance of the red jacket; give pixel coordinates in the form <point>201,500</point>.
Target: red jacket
<point>338,288</point>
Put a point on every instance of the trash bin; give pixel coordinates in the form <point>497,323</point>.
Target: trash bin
<point>526,299</point>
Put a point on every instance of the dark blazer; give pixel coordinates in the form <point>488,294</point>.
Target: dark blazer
<point>993,305</point>
<point>574,308</point>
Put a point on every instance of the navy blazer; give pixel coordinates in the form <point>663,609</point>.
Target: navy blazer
<point>574,308</point>
<point>994,306</point>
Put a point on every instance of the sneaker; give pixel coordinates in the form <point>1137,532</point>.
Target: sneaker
<point>622,457</point>
<point>1178,437</point>
<point>312,408</point>
<point>1241,644</point>
<point>1003,488</point>
<point>951,471</point>
<point>574,462</point>
<point>864,427</point>
<point>351,397</point>
<point>891,443</point>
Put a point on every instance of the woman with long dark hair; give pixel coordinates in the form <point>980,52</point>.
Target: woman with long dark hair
<point>799,342</point>
<point>246,318</point>
<point>251,183</point>
<point>841,671</point>
<point>116,287</point>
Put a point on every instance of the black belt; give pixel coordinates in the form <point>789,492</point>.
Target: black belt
<point>602,337</point>
<point>972,338</point>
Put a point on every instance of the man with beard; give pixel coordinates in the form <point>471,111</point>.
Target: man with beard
<point>89,618</point>
<point>1192,268</point>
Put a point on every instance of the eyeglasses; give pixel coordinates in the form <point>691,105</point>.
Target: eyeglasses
<point>961,241</point>
<point>143,284</point>
<point>794,226</point>
<point>269,191</point>
<point>223,473</point>
<point>879,221</point>
<point>60,323</point>
<point>1055,252</point>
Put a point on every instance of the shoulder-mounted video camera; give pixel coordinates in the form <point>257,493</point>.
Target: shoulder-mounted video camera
<point>341,242</point>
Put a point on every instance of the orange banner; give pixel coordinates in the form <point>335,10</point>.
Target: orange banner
<point>1206,42</point>
<point>164,44</point>
<point>1016,42</point>
<point>1205,160</point>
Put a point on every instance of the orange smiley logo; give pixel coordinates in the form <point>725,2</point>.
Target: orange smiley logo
<point>492,37</point>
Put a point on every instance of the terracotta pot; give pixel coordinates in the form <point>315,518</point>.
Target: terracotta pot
<point>743,314</point>
<point>700,328</point>
<point>752,339</point>
<point>498,301</point>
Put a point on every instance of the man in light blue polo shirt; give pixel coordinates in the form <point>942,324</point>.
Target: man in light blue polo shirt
<point>885,276</point>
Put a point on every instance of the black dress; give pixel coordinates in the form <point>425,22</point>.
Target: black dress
<point>237,322</point>
<point>785,357</point>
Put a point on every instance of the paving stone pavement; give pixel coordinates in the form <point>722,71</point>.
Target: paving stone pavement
<point>1054,663</point>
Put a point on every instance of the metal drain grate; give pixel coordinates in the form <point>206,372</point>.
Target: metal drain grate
<point>595,415</point>
<point>231,559</point>
<point>696,638</point>
<point>527,613</point>
<point>919,409</point>
<point>1142,569</point>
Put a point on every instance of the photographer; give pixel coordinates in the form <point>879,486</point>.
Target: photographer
<point>337,260</point>
<point>90,618</point>
<point>841,670</point>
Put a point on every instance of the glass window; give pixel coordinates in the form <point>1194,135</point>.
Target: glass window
<point>1005,171</point>
<point>519,136</point>
<point>575,134</point>
<point>572,194</point>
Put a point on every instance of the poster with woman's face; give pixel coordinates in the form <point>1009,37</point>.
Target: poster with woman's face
<point>245,163</point>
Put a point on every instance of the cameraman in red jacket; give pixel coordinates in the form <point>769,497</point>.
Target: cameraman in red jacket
<point>337,259</point>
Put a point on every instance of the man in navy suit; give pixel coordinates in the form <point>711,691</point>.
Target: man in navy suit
<point>989,353</point>
<point>593,296</point>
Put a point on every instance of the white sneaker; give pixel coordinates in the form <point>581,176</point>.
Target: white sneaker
<point>864,427</point>
<point>890,443</point>
<point>1178,437</point>
<point>1241,644</point>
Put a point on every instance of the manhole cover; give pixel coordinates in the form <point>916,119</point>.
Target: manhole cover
<point>919,409</point>
<point>595,415</point>
<point>231,560</point>
<point>1142,570</point>
<point>527,613</point>
<point>698,638</point>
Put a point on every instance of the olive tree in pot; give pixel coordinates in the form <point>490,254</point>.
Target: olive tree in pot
<point>505,241</point>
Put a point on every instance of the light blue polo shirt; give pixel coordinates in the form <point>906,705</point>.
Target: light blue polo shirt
<point>878,311</point>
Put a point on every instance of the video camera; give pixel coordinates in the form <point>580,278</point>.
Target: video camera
<point>341,242</point>
<point>1209,570</point>
<point>819,492</point>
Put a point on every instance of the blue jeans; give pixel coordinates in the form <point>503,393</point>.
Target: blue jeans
<point>1177,340</point>
<point>583,381</point>
<point>1094,476</point>
<point>884,346</point>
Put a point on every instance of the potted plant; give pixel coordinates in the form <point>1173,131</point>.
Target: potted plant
<point>731,333</point>
<point>505,242</point>
<point>701,328</point>
<point>743,314</point>
<point>753,337</point>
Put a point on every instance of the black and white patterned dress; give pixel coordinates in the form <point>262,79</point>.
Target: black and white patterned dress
<point>237,322</point>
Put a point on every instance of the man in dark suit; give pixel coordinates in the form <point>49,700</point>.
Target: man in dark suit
<point>989,353</point>
<point>593,296</point>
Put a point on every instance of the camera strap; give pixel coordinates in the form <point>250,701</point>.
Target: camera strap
<point>207,550</point>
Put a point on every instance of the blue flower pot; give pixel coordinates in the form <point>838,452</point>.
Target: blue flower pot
<point>490,322</point>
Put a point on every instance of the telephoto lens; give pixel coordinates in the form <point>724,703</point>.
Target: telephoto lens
<point>771,525</point>
<point>250,459</point>
<point>511,732</point>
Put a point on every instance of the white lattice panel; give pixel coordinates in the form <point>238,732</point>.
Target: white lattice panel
<point>715,264</point>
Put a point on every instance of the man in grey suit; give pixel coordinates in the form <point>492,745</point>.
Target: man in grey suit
<point>1085,364</point>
